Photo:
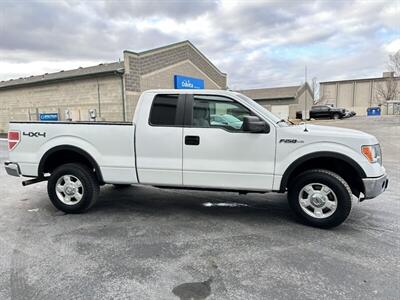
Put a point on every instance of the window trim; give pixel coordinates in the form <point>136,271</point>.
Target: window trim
<point>180,110</point>
<point>188,117</point>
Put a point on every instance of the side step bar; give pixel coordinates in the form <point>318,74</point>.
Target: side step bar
<point>34,180</point>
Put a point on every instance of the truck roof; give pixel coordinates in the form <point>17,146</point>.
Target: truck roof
<point>191,91</point>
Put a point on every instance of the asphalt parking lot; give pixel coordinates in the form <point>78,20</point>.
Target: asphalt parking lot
<point>146,243</point>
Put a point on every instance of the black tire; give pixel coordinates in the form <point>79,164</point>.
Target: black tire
<point>336,116</point>
<point>121,186</point>
<point>90,187</point>
<point>332,180</point>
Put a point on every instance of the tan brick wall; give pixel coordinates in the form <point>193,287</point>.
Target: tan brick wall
<point>76,95</point>
<point>132,99</point>
<point>345,95</point>
<point>365,94</point>
<point>147,63</point>
<point>328,93</point>
<point>164,78</point>
<point>362,97</point>
<point>153,69</point>
<point>304,97</point>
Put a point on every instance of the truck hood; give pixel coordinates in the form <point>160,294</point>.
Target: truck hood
<point>318,133</point>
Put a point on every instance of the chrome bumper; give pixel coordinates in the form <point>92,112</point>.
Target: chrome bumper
<point>12,168</point>
<point>375,186</point>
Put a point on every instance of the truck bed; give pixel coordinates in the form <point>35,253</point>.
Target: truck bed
<point>110,144</point>
<point>74,122</point>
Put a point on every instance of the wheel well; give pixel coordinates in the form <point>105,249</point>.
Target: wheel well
<point>65,154</point>
<point>341,167</point>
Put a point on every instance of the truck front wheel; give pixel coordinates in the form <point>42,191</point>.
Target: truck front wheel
<point>73,188</point>
<point>320,198</point>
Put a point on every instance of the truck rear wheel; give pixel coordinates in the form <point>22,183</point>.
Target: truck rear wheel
<point>320,198</point>
<point>73,188</point>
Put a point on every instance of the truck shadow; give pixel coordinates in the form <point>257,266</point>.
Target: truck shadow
<point>161,202</point>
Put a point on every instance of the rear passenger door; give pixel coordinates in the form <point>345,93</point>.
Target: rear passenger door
<point>159,140</point>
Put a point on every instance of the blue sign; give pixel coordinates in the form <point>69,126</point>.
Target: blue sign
<point>184,82</point>
<point>48,117</point>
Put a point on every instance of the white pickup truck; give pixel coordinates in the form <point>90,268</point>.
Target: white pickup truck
<point>201,139</point>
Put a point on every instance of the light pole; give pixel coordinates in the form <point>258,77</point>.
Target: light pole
<point>305,91</point>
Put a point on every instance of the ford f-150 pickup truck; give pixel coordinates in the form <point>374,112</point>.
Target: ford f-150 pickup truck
<point>172,143</point>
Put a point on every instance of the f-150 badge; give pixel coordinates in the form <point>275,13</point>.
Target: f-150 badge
<point>291,141</point>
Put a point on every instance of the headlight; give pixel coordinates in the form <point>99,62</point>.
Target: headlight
<point>372,153</point>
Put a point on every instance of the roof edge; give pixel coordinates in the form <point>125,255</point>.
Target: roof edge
<point>270,88</point>
<point>50,80</point>
<point>360,79</point>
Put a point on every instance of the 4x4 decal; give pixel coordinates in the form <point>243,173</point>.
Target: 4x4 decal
<point>34,134</point>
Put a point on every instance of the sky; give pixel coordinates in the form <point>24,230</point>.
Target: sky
<point>257,43</point>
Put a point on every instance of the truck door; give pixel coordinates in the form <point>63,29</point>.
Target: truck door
<point>220,154</point>
<point>159,140</point>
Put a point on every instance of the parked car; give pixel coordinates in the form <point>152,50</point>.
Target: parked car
<point>172,143</point>
<point>349,113</point>
<point>327,111</point>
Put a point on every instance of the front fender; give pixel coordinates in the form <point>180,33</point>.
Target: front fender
<point>288,159</point>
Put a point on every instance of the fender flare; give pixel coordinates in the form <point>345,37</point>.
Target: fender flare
<point>320,154</point>
<point>77,150</point>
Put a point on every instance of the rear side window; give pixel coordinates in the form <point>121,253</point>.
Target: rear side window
<point>164,110</point>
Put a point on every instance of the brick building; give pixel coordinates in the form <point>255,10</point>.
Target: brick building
<point>112,89</point>
<point>359,94</point>
<point>283,101</point>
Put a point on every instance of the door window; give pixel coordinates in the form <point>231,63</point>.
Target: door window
<point>324,108</point>
<point>218,112</point>
<point>164,110</point>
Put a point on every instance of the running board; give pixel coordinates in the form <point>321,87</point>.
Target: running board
<point>34,180</point>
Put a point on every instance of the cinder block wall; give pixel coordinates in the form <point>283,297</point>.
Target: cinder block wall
<point>304,101</point>
<point>156,69</point>
<point>147,70</point>
<point>75,95</point>
<point>353,95</point>
<point>164,78</point>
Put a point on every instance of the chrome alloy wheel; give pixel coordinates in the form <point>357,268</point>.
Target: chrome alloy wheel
<point>69,189</point>
<point>318,200</point>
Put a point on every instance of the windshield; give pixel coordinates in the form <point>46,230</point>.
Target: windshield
<point>261,109</point>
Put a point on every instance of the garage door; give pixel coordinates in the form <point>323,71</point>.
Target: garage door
<point>281,111</point>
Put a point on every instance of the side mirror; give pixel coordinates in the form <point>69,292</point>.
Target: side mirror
<point>255,125</point>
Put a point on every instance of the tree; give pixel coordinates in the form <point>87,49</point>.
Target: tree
<point>387,90</point>
<point>390,88</point>
<point>394,63</point>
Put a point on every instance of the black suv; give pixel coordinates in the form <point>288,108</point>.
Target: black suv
<point>327,111</point>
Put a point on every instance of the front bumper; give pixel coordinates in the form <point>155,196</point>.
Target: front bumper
<point>12,168</point>
<point>375,186</point>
